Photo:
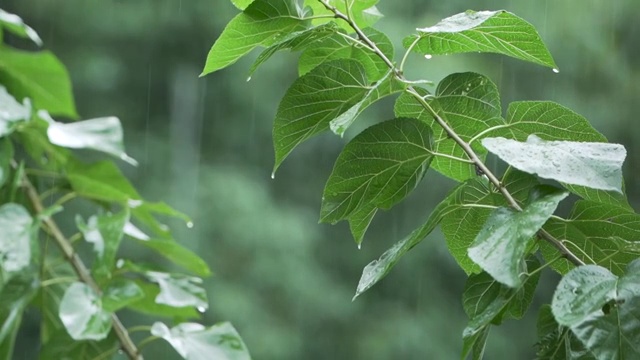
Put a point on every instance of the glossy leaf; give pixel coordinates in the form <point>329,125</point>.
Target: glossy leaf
<point>365,13</point>
<point>82,314</point>
<point>119,293</point>
<point>194,341</point>
<point>242,4</point>
<point>39,76</point>
<point>378,269</point>
<point>380,167</point>
<point>340,46</point>
<point>596,165</point>
<point>359,222</point>
<point>501,245</point>
<point>470,104</point>
<point>105,233</point>
<point>6,155</point>
<point>101,134</point>
<point>15,240</point>
<point>483,31</point>
<point>263,22</point>
<point>12,111</point>
<point>314,100</point>
<point>14,24</point>
<point>179,290</point>
<point>148,305</point>
<point>177,254</point>
<point>557,342</point>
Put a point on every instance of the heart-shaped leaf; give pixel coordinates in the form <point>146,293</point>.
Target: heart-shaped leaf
<point>82,314</point>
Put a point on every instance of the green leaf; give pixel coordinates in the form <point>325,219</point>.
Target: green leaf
<point>296,41</point>
<point>194,341</point>
<point>101,181</point>
<point>33,137</point>
<point>470,104</point>
<point>179,290</point>
<point>119,293</point>
<point>14,298</point>
<point>391,157</point>
<point>557,342</point>
<point>101,134</point>
<point>263,22</point>
<point>602,310</point>
<point>82,314</point>
<point>6,155</point>
<point>242,4</point>
<point>378,269</point>
<point>39,76</point>
<point>105,233</point>
<point>498,32</point>
<point>596,165</point>
<point>364,12</point>
<point>14,24</point>
<point>148,305</point>
<point>314,100</point>
<point>359,222</point>
<point>61,346</point>
<point>501,245</point>
<point>15,241</point>
<point>341,46</point>
<point>12,111</point>
<point>177,254</point>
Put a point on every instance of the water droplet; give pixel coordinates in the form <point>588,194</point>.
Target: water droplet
<point>359,246</point>
<point>249,79</point>
<point>201,309</point>
<point>273,175</point>
<point>428,56</point>
<point>556,70</point>
<point>189,224</point>
<point>120,263</point>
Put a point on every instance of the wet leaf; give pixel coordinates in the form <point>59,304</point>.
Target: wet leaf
<point>119,293</point>
<point>148,305</point>
<point>483,31</point>
<point>378,167</point>
<point>6,155</point>
<point>262,22</point>
<point>177,254</point>
<point>179,290</point>
<point>82,314</point>
<point>596,165</point>
<point>359,222</point>
<point>196,342</point>
<point>15,241</point>
<point>556,342</point>
<point>12,112</point>
<point>63,347</point>
<point>14,24</point>
<point>501,245</point>
<point>14,298</point>
<point>364,12</point>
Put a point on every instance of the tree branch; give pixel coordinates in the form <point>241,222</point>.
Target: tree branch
<point>451,133</point>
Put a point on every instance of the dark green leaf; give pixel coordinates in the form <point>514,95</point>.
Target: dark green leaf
<point>6,155</point>
<point>120,293</point>
<point>179,290</point>
<point>62,347</point>
<point>14,298</point>
<point>148,304</point>
<point>359,222</point>
<point>196,342</point>
<point>556,342</point>
<point>15,241</point>
<point>101,181</point>
<point>314,100</point>
<point>39,76</point>
<point>378,167</point>
<point>263,22</point>
<point>12,111</point>
<point>364,12</point>
<point>501,245</point>
<point>15,25</point>
<point>178,254</point>
<point>82,314</point>
<point>484,31</point>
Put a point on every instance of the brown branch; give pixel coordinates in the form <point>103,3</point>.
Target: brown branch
<point>451,133</point>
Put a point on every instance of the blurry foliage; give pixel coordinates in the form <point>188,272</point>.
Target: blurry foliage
<point>139,60</point>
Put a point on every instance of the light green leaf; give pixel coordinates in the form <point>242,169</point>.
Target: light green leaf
<point>596,165</point>
<point>6,155</point>
<point>602,310</point>
<point>105,233</point>
<point>82,314</point>
<point>391,157</point>
<point>12,111</point>
<point>242,4</point>
<point>296,41</point>
<point>263,22</point>
<point>378,269</point>
<point>314,100</point>
<point>14,298</point>
<point>119,293</point>
<point>194,341</point>
<point>177,254</point>
<point>501,245</point>
<point>341,46</point>
<point>101,134</point>
<point>179,290</point>
<point>14,24</point>
<point>388,85</point>
<point>39,76</point>
<point>470,104</point>
<point>364,12</point>
<point>148,305</point>
<point>484,31</point>
<point>15,240</point>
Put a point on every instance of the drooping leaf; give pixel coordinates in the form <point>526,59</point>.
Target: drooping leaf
<point>177,254</point>
<point>365,13</point>
<point>6,155</point>
<point>314,100</point>
<point>15,241</point>
<point>82,314</point>
<point>378,269</point>
<point>179,290</point>
<point>596,165</point>
<point>14,24</point>
<point>119,293</point>
<point>501,245</point>
<point>470,104</point>
<point>194,341</point>
<point>340,46</point>
<point>602,310</point>
<point>39,76</point>
<point>148,305</point>
<point>483,31</point>
<point>14,298</point>
<point>359,222</point>
<point>380,167</point>
<point>101,134</point>
<point>12,111</point>
<point>262,22</point>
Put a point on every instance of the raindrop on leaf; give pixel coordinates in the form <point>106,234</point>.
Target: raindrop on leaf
<point>189,224</point>
<point>428,56</point>
<point>556,70</point>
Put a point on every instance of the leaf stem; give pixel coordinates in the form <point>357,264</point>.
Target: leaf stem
<point>79,267</point>
<point>406,54</point>
<point>451,133</point>
<point>58,280</point>
<point>452,157</point>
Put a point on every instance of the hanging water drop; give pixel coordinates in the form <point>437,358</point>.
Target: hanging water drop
<point>201,309</point>
<point>360,246</point>
<point>273,175</point>
<point>428,56</point>
<point>189,224</point>
<point>249,79</point>
<point>556,70</point>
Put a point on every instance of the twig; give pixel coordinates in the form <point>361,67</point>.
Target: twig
<point>451,133</point>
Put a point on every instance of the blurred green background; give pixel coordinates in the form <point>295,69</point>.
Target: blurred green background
<point>204,146</point>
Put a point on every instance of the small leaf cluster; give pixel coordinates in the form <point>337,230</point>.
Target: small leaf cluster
<point>42,178</point>
<point>501,227</point>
